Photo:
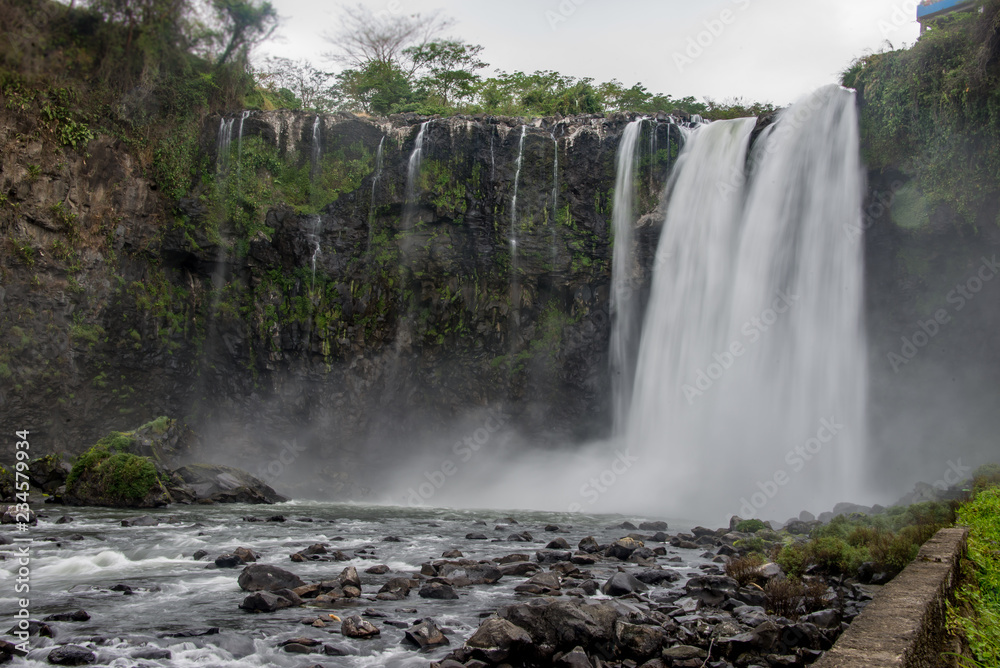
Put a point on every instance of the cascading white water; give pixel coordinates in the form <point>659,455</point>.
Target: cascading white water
<point>223,144</point>
<point>515,285</point>
<point>555,205</point>
<point>317,148</point>
<point>751,381</point>
<point>371,204</point>
<point>239,145</point>
<point>413,174</point>
<point>625,303</point>
<point>493,160</point>
<point>315,225</point>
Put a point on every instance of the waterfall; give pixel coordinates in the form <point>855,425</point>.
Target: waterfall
<point>515,292</point>
<point>413,174</point>
<point>750,388</point>
<point>316,147</point>
<point>625,302</point>
<point>555,203</point>
<point>314,238</point>
<point>493,159</point>
<point>223,144</point>
<point>555,179</point>
<point>653,140</point>
<point>239,145</point>
<point>371,204</point>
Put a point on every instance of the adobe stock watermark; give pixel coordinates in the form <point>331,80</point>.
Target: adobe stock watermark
<point>880,203</point>
<point>566,9</point>
<point>955,474</point>
<point>714,28</point>
<point>958,298</point>
<point>796,459</point>
<point>903,14</point>
<point>592,490</point>
<point>753,329</point>
<point>464,450</point>
<point>274,469</point>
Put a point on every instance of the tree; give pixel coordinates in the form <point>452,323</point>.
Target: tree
<point>378,88</point>
<point>244,24</point>
<point>448,68</point>
<point>314,89</point>
<point>366,37</point>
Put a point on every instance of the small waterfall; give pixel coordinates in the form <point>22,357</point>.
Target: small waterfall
<point>371,204</point>
<point>493,158</point>
<point>315,230</point>
<point>554,255</point>
<point>317,148</point>
<point>654,131</point>
<point>239,145</point>
<point>222,147</point>
<point>555,179</point>
<point>625,302</point>
<point>413,174</point>
<point>750,388</point>
<point>515,283</point>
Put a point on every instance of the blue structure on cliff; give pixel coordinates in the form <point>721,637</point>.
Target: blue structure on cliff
<point>930,10</point>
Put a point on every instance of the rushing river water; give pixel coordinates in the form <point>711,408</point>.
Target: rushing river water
<point>75,565</point>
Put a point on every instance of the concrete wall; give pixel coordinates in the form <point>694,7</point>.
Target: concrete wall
<point>905,624</point>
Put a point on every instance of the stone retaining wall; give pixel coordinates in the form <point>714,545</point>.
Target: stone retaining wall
<point>905,624</point>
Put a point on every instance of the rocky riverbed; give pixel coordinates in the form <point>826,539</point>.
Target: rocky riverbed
<point>301,585</point>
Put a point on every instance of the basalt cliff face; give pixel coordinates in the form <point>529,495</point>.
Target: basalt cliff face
<point>315,294</point>
<point>316,309</point>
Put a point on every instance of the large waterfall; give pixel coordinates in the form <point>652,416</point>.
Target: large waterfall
<point>751,378</point>
<point>624,294</point>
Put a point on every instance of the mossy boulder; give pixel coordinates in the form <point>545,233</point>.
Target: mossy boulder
<point>109,475</point>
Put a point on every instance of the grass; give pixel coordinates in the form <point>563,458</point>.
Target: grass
<point>977,615</point>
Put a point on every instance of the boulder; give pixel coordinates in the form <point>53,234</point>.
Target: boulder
<point>224,484</point>
<point>621,584</point>
<point>589,545</point>
<point>657,576</point>
<point>356,627</point>
<point>499,640</point>
<point>349,578</point>
<point>563,624</point>
<point>425,634</point>
<point>438,590</point>
<point>623,548</point>
<point>638,641</point>
<point>71,655</point>
<point>267,578</point>
<point>265,601</point>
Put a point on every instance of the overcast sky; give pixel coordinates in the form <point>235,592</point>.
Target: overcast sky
<point>766,50</point>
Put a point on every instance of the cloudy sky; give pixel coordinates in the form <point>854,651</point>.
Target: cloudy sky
<point>768,50</point>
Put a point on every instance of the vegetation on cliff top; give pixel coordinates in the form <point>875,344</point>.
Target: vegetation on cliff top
<point>933,112</point>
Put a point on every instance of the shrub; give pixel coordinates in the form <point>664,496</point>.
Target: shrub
<point>745,569</point>
<point>750,526</point>
<point>792,559</point>
<point>986,476</point>
<point>783,596</point>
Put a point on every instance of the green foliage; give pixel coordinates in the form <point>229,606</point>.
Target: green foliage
<point>890,541</point>
<point>933,111</point>
<point>108,471</point>
<point>745,570</point>
<point>986,476</point>
<point>158,426</point>
<point>978,617</point>
<point>750,526</point>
